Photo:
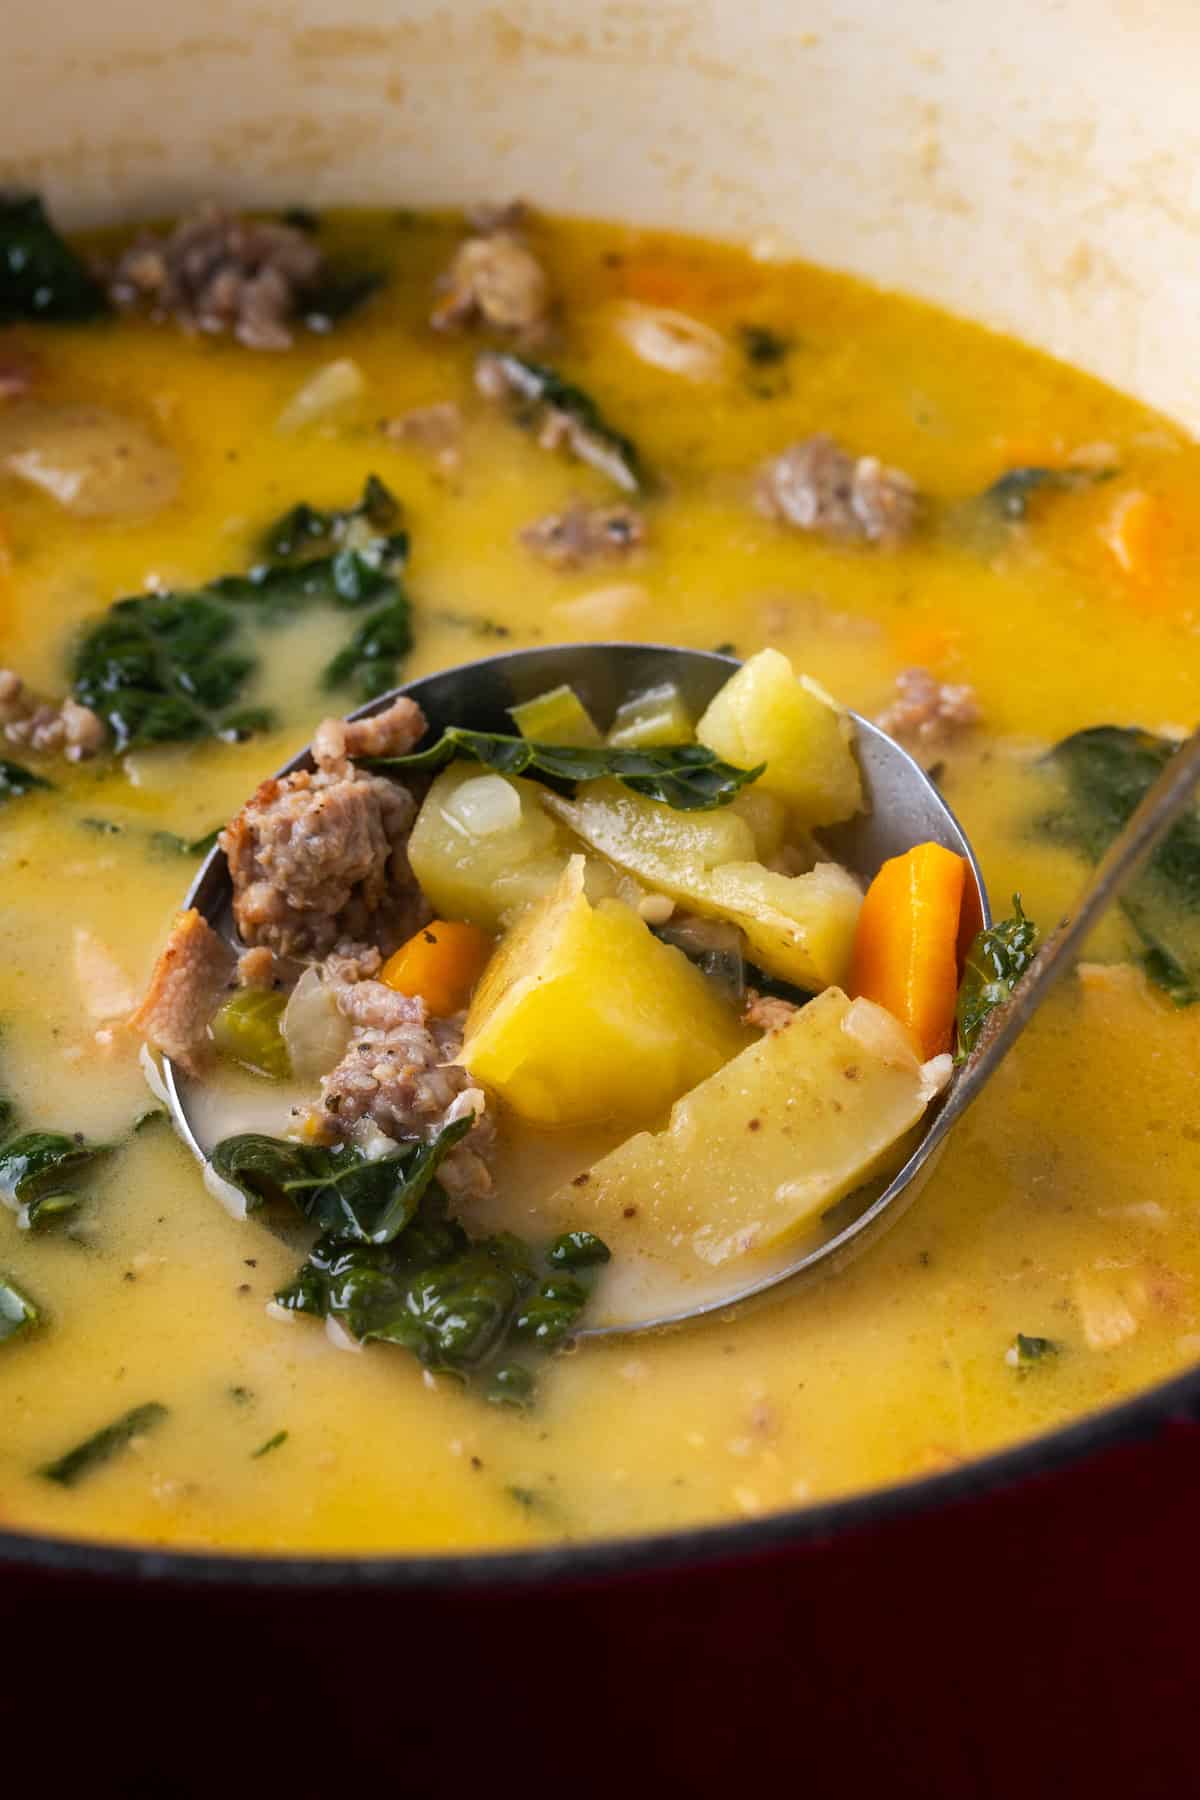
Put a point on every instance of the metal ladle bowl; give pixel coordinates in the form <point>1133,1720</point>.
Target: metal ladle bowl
<point>902,808</point>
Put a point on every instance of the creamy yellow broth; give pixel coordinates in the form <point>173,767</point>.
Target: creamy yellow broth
<point>1068,1206</point>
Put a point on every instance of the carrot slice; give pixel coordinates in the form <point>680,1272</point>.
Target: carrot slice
<point>906,945</point>
<point>441,963</point>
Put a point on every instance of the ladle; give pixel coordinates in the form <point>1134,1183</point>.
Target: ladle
<point>903,808</point>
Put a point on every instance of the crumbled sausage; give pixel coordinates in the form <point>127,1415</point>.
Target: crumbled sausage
<point>320,855</point>
<point>816,486</point>
<point>928,711</point>
<point>216,272</point>
<point>582,534</point>
<point>48,725</point>
<point>436,428</point>
<point>767,1012</point>
<point>187,981</point>
<point>399,1076</point>
<point>495,280</point>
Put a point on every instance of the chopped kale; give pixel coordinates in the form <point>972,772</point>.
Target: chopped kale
<point>995,963</point>
<point>577,1250</point>
<point>357,1199</point>
<point>391,1266</point>
<point>1011,494</point>
<point>41,277</point>
<point>307,530</point>
<point>1106,771</point>
<point>339,293</point>
<point>85,1458</point>
<point>1024,1351</point>
<point>16,780</point>
<point>688,777</point>
<point>17,1311</point>
<point>544,399</point>
<point>454,1303</point>
<point>41,1172</point>
<point>171,667</point>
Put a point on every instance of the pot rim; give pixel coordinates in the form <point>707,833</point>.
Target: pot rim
<point>1142,1417</point>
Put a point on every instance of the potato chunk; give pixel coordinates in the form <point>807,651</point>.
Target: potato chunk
<point>766,713</point>
<point>753,1156</point>
<point>483,846</point>
<point>583,1014</point>
<point>799,927</point>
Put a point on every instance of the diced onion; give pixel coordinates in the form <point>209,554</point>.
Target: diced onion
<point>485,804</point>
<point>330,391</point>
<point>672,341</point>
<point>313,1029</point>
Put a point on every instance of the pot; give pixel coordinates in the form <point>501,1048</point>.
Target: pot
<point>1017,1626</point>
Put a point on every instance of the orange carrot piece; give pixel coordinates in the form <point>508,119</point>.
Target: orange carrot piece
<point>441,963</point>
<point>906,944</point>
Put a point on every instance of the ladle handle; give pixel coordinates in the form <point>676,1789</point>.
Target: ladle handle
<point>1160,807</point>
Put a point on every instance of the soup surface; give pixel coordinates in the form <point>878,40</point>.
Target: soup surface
<point>1051,1267</point>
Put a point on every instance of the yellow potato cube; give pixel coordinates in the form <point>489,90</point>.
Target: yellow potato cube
<point>483,846</point>
<point>582,1015</point>
<point>752,1157</point>
<point>767,713</point>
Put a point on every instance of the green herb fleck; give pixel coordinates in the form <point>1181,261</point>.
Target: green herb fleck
<point>1023,1351</point>
<point>272,1443</point>
<point>85,1458</point>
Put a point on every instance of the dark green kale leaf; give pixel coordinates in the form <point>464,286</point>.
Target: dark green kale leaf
<point>577,1250</point>
<point>41,277</point>
<point>688,777</point>
<point>545,402</point>
<point>454,1303</point>
<point>41,1172</point>
<point>16,781</point>
<point>309,530</point>
<point>17,1311</point>
<point>171,667</point>
<point>339,1189</point>
<point>337,294</point>
<point>1106,771</point>
<point>85,1458</point>
<point>995,963</point>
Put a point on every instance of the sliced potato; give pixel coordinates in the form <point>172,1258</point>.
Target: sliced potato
<point>767,713</point>
<point>95,463</point>
<point>752,1157</point>
<point>483,846</point>
<point>800,927</point>
<point>583,1015</point>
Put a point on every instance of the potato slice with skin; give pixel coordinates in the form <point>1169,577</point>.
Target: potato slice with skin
<point>800,927</point>
<point>767,713</point>
<point>582,1014</point>
<point>752,1157</point>
<point>484,877</point>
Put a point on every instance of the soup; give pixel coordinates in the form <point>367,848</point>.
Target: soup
<point>1031,560</point>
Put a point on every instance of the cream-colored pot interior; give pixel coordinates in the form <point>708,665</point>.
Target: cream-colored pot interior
<point>1034,164</point>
